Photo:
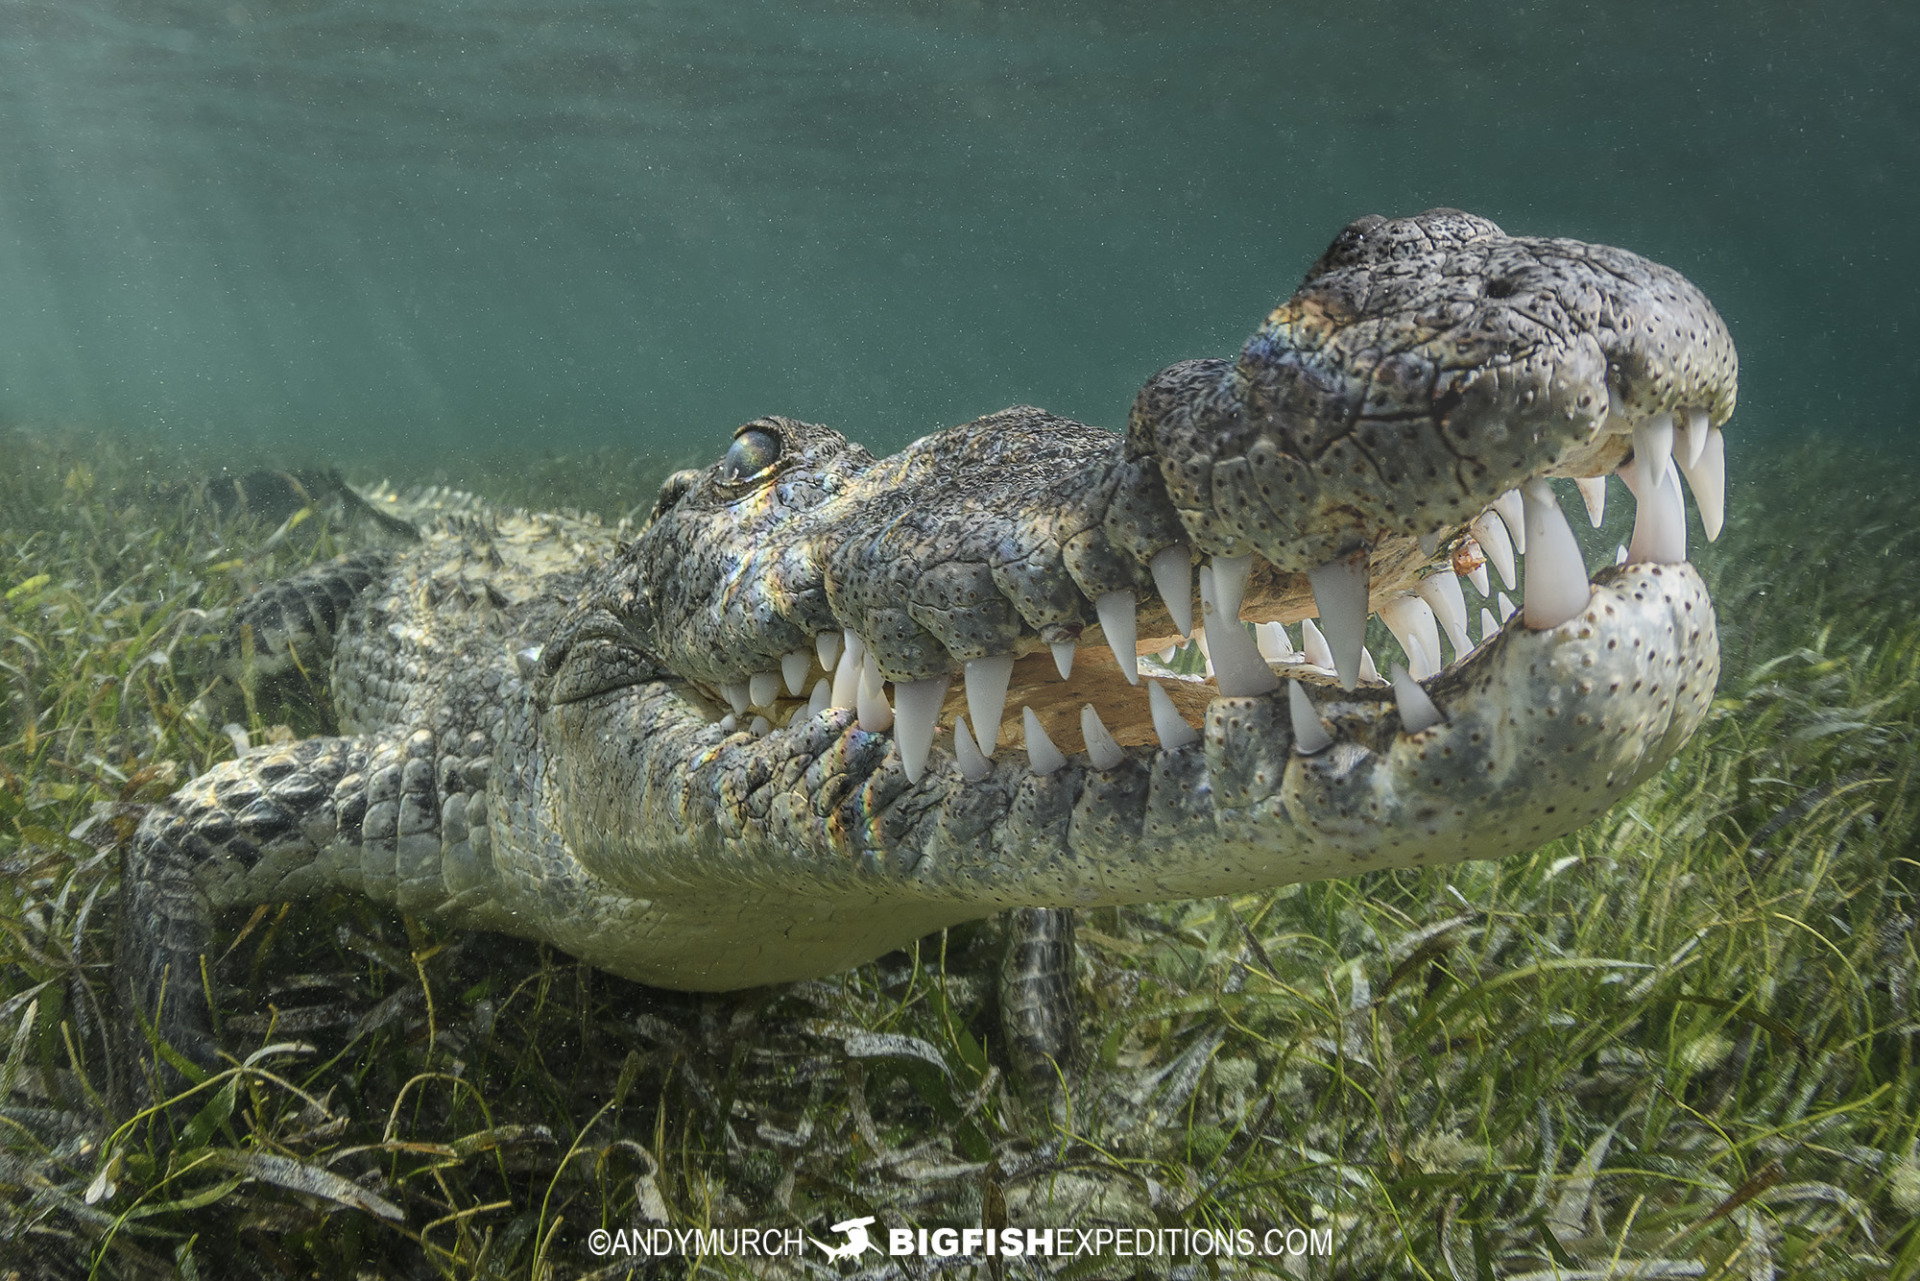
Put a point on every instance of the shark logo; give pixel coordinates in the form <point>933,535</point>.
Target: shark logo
<point>856,1244</point>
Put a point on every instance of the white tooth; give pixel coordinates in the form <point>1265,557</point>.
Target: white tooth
<point>1168,724</point>
<point>1102,750</point>
<point>826,647</point>
<point>1652,448</point>
<point>1441,590</point>
<point>846,673</point>
<point>1230,583</point>
<point>1557,587</point>
<point>798,714</point>
<point>1309,735</point>
<point>1698,425</point>
<point>1505,606</point>
<point>1237,664</point>
<point>1368,672</point>
<point>1659,519</point>
<point>973,766</point>
<point>1593,492</point>
<point>1117,622</point>
<point>729,723</point>
<point>1412,623</point>
<point>822,697</point>
<point>917,707</point>
<point>1173,576</point>
<point>1166,655</point>
<point>1707,478</point>
<point>1417,711</point>
<point>794,668</point>
<point>1489,625</point>
<point>1481,583</point>
<point>760,727</point>
<point>1042,756</point>
<point>987,680</point>
<point>1491,533</point>
<point>1063,657</point>
<point>1274,643</point>
<point>763,688</point>
<point>1513,514</point>
<point>1314,645</point>
<point>736,696</point>
<point>1205,647</point>
<point>1430,543</point>
<point>870,704</point>
<point>1340,594</point>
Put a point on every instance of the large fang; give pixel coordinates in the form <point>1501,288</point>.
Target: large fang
<point>1491,533</point>
<point>1117,620</point>
<point>1707,478</point>
<point>1593,492</point>
<point>1652,450</point>
<point>987,680</point>
<point>1441,590</point>
<point>1659,519</point>
<point>794,668</point>
<point>1698,425</point>
<point>1042,756</point>
<point>1237,666</point>
<point>1102,750</point>
<point>1340,594</point>
<point>1557,587</point>
<point>1173,575</point>
<point>1513,513</point>
<point>1314,645</point>
<point>1230,584</point>
<point>1417,711</point>
<point>846,672</point>
<point>973,766</point>
<point>1062,658</point>
<point>1168,725</point>
<point>827,647</point>
<point>1411,621</point>
<point>763,688</point>
<point>1309,735</point>
<point>870,705</point>
<point>916,708</point>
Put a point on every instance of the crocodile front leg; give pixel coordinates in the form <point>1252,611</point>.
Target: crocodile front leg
<point>401,820</point>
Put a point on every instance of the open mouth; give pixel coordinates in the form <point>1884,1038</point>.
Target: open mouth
<point>1238,627</point>
<point>1023,597</point>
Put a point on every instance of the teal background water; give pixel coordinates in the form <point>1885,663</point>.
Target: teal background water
<point>439,226</point>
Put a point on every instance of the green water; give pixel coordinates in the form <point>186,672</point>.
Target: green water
<point>436,227</point>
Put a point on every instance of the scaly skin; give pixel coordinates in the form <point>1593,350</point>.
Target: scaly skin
<point>534,707</point>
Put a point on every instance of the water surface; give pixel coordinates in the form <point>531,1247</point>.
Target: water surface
<point>446,226</point>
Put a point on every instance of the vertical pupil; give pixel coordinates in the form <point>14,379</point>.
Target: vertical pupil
<point>750,453</point>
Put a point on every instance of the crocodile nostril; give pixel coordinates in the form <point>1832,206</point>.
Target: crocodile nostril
<point>1502,287</point>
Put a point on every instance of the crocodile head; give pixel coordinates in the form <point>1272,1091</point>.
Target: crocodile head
<point>879,695</point>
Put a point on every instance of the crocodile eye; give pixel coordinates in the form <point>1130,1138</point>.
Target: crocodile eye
<point>752,452</point>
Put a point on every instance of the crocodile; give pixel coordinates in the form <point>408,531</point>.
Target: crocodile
<point>766,735</point>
